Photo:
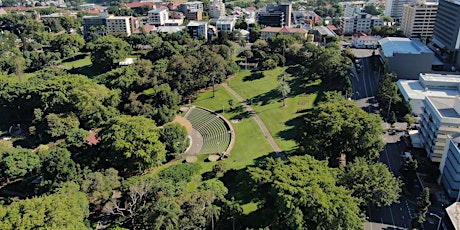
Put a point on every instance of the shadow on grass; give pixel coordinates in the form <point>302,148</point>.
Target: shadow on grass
<point>254,76</point>
<point>266,98</point>
<point>87,70</point>
<point>294,129</point>
<point>75,58</point>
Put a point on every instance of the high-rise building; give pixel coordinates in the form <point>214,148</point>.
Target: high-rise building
<point>361,22</point>
<point>107,24</point>
<point>275,16</point>
<point>446,32</point>
<point>119,24</point>
<point>198,30</point>
<point>217,9</point>
<point>418,19</point>
<point>394,8</point>
<point>158,17</point>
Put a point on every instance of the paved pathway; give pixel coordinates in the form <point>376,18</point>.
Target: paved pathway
<point>258,120</point>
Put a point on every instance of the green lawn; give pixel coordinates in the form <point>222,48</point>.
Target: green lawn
<point>260,89</point>
<point>81,60</point>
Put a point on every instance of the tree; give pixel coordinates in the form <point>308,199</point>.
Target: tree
<point>386,93</point>
<point>58,125</point>
<point>15,163</point>
<point>99,186</point>
<point>423,203</point>
<point>57,166</point>
<point>409,172</point>
<point>284,89</point>
<point>392,119</point>
<point>338,128</point>
<point>68,45</point>
<point>107,50</point>
<point>174,137</point>
<point>67,208</point>
<point>371,182</point>
<point>132,144</point>
<point>302,194</point>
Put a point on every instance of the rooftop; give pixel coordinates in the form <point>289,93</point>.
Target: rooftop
<point>196,23</point>
<point>325,31</point>
<point>155,11</point>
<point>283,30</point>
<point>445,106</point>
<point>457,2</point>
<point>393,45</point>
<point>139,4</point>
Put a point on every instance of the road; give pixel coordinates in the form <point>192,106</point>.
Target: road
<point>365,86</point>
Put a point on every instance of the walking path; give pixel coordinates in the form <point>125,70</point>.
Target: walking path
<point>258,120</point>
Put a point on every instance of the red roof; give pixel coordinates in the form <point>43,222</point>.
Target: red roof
<point>139,4</point>
<point>360,35</point>
<point>331,27</point>
<point>92,138</point>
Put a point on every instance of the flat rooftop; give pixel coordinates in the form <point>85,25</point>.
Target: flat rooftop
<point>445,106</point>
<point>393,45</point>
<point>453,212</point>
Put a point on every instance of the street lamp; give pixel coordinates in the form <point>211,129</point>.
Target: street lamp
<point>440,219</point>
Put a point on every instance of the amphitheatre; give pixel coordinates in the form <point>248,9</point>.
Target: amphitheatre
<point>210,134</point>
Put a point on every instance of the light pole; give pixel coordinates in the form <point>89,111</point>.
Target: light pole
<point>440,219</point>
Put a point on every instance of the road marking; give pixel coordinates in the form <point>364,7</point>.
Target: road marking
<point>392,219</point>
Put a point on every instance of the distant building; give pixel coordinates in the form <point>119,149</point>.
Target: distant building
<point>394,8</point>
<point>418,19</point>
<point>352,8</point>
<point>94,22</point>
<point>217,9</point>
<point>168,29</point>
<point>189,6</point>
<point>119,24</point>
<point>362,40</point>
<point>226,23</point>
<point>446,32</point>
<point>361,22</point>
<point>198,30</point>
<point>275,16</point>
<point>301,17</point>
<point>440,118</point>
<point>268,32</point>
<point>194,15</point>
<point>158,17</point>
<point>321,33</point>
<point>407,58</point>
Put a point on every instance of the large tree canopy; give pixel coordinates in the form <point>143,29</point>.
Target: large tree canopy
<point>373,182</point>
<point>338,127</point>
<point>303,194</point>
<point>107,50</point>
<point>132,144</point>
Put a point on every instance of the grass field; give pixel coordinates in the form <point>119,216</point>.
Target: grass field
<point>260,89</point>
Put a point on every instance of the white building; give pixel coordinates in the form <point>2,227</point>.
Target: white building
<point>186,7</point>
<point>226,23</point>
<point>217,9</point>
<point>359,23</point>
<point>450,163</point>
<point>394,8</point>
<point>352,8</point>
<point>440,118</point>
<point>418,19</point>
<point>158,17</point>
<point>119,24</point>
<point>198,30</point>
<point>362,40</point>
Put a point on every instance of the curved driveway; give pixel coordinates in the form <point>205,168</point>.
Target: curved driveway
<point>258,120</point>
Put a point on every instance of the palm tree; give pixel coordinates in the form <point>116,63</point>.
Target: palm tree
<point>284,89</point>
<point>213,211</point>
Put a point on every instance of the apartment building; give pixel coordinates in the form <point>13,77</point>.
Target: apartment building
<point>119,24</point>
<point>226,23</point>
<point>198,30</point>
<point>418,19</point>
<point>158,17</point>
<point>189,6</point>
<point>361,22</point>
<point>217,9</point>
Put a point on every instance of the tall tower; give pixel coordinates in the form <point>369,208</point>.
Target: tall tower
<point>446,32</point>
<point>286,8</point>
<point>394,8</point>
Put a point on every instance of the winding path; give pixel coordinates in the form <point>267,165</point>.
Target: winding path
<point>258,120</point>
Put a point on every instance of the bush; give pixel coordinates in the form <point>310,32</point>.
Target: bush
<point>179,173</point>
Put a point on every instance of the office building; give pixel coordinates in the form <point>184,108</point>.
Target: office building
<point>198,30</point>
<point>394,8</point>
<point>361,22</point>
<point>446,32</point>
<point>418,19</point>
<point>217,9</point>
<point>119,24</point>
<point>94,23</point>
<point>440,118</point>
<point>406,57</point>
<point>158,17</point>
<point>275,16</point>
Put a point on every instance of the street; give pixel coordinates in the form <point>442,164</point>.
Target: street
<point>365,84</point>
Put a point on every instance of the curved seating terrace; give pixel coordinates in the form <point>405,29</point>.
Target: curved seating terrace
<point>216,135</point>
